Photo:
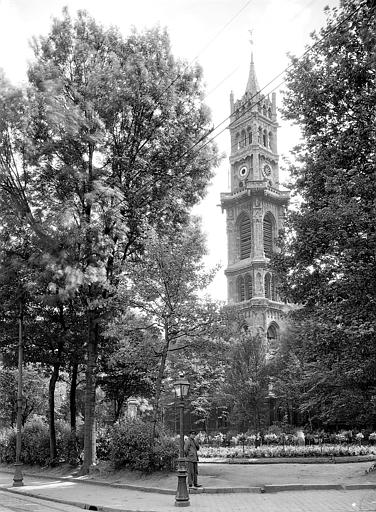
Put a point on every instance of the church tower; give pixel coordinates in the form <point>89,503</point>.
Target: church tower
<point>255,209</point>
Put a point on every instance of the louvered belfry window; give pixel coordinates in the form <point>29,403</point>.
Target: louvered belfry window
<point>267,284</point>
<point>268,235</point>
<point>245,237</point>
<point>241,289</point>
<point>274,289</point>
<point>248,287</point>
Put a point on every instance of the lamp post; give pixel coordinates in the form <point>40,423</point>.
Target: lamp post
<point>271,401</point>
<point>18,477</point>
<point>271,398</point>
<point>181,387</point>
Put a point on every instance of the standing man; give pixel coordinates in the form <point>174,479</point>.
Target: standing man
<point>190,451</point>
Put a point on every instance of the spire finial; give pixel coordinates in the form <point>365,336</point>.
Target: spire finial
<point>251,42</point>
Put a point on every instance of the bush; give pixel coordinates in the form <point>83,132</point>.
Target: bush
<point>7,445</point>
<point>132,447</point>
<point>35,443</point>
<point>35,447</point>
<point>165,453</point>
<point>330,450</point>
<point>104,439</point>
<point>127,446</point>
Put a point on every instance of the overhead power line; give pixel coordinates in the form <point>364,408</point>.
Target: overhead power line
<point>249,108</point>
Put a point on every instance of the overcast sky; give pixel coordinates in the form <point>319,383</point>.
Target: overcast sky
<point>213,32</point>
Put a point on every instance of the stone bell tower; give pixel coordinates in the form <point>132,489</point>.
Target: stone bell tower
<point>255,208</point>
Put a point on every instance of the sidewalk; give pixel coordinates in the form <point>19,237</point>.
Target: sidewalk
<point>340,488</point>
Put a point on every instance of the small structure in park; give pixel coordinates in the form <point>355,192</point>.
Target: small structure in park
<point>132,407</point>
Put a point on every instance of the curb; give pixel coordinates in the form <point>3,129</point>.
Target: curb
<point>303,487</point>
<point>293,460</point>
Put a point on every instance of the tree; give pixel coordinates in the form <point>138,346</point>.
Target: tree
<point>128,366</point>
<point>164,285</point>
<point>246,382</point>
<point>328,262</point>
<point>97,151</point>
<point>206,365</point>
<point>35,394</point>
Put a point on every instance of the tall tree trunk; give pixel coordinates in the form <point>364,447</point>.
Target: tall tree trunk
<point>118,408</point>
<point>158,384</point>
<point>51,412</point>
<point>89,429</point>
<point>51,398</point>
<point>72,398</point>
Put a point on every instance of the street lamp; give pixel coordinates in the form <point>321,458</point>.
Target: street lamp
<point>18,476</point>
<point>181,388</point>
<point>271,400</point>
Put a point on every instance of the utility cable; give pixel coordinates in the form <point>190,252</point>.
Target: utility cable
<point>249,108</point>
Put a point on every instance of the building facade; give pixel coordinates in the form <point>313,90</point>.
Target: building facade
<point>255,209</point>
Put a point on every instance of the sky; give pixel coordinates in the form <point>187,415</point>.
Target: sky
<point>214,33</point>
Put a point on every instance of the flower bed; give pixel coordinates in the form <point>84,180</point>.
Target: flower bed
<point>251,452</point>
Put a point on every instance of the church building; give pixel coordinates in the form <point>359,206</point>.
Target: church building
<point>255,207</point>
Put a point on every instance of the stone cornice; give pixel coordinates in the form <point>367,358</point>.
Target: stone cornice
<point>254,188</point>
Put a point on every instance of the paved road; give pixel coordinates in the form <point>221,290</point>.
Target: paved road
<point>13,503</point>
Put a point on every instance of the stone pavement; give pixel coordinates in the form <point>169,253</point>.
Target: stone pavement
<point>357,495</point>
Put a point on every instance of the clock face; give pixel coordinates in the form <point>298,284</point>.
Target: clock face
<point>267,170</point>
<point>243,172</point>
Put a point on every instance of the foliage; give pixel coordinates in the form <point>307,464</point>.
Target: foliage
<point>204,364</point>
<point>7,445</point>
<point>97,150</point>
<point>35,448</point>
<point>268,451</point>
<point>129,366</point>
<point>328,263</point>
<point>103,443</point>
<point>133,447</point>
<point>165,453</point>
<point>165,288</point>
<point>247,365</point>
<point>35,391</point>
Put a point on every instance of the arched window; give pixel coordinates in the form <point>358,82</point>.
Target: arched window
<point>251,162</point>
<point>267,228</point>
<point>259,135</point>
<point>272,336</point>
<point>249,136</point>
<point>240,288</point>
<point>270,140</point>
<point>264,110</point>
<point>248,286</point>
<point>264,138</point>
<point>268,291</point>
<point>269,112</point>
<point>245,234</point>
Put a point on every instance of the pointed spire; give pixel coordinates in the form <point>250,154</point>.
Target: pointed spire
<point>252,84</point>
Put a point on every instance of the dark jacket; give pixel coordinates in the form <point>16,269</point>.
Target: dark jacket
<point>190,449</point>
